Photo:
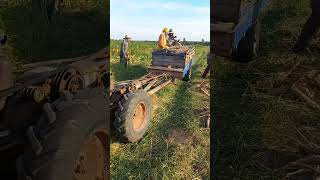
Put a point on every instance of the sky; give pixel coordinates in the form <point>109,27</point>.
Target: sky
<point>145,19</point>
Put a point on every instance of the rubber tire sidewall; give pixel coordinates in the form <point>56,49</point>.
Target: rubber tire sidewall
<point>246,48</point>
<point>123,122</point>
<point>75,122</point>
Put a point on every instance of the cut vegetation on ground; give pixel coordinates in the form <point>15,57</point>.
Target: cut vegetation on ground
<point>264,125</point>
<point>176,145</point>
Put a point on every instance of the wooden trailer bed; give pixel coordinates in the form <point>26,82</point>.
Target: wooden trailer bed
<point>175,61</point>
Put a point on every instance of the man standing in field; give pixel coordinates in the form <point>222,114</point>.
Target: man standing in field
<point>162,43</point>
<point>310,28</point>
<point>124,51</point>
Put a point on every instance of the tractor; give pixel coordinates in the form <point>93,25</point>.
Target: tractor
<point>56,121</point>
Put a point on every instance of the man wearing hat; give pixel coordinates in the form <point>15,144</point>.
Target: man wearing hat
<point>124,51</point>
<point>171,38</point>
<point>162,43</point>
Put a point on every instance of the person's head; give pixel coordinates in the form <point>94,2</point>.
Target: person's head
<point>165,30</point>
<point>126,38</point>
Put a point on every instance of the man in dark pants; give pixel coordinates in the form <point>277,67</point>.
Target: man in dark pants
<point>124,51</point>
<point>310,28</point>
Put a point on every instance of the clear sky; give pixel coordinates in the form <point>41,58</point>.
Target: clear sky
<point>145,19</point>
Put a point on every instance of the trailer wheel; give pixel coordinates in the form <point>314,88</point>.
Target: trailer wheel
<point>71,140</point>
<point>133,116</point>
<point>249,45</point>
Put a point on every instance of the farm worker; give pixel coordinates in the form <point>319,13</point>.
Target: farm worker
<point>124,51</point>
<point>171,37</point>
<point>310,28</point>
<point>162,43</point>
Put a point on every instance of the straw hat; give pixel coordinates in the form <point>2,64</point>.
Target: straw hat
<point>126,37</point>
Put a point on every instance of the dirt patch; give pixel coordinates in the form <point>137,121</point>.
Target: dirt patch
<point>197,168</point>
<point>180,136</point>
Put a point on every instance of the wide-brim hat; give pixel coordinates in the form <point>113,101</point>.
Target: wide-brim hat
<point>126,37</point>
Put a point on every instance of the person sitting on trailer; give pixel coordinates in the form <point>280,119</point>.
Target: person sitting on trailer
<point>310,28</point>
<point>162,43</point>
<point>124,51</point>
<point>171,37</point>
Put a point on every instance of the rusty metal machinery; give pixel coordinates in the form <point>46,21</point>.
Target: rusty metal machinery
<point>45,82</point>
<point>69,79</point>
<point>151,83</point>
<point>36,93</point>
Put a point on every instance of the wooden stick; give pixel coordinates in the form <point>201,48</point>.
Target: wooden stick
<point>150,85</point>
<point>305,97</point>
<point>205,91</point>
<point>156,89</point>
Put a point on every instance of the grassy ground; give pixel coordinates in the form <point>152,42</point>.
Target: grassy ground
<point>76,30</point>
<point>250,124</point>
<point>175,146</point>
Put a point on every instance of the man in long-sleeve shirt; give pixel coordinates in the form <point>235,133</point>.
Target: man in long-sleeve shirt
<point>310,28</point>
<point>124,51</point>
<point>162,43</point>
<point>171,38</point>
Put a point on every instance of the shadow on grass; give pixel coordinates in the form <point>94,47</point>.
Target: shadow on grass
<point>232,122</point>
<point>245,125</point>
<point>72,33</point>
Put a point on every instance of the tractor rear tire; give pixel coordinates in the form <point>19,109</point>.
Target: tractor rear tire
<point>73,134</point>
<point>249,45</point>
<point>133,116</point>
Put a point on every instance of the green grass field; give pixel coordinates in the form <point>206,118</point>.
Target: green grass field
<point>79,28</point>
<point>251,124</point>
<point>175,146</point>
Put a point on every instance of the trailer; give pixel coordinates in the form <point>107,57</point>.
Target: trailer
<point>235,30</point>
<point>130,100</point>
<point>177,61</point>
